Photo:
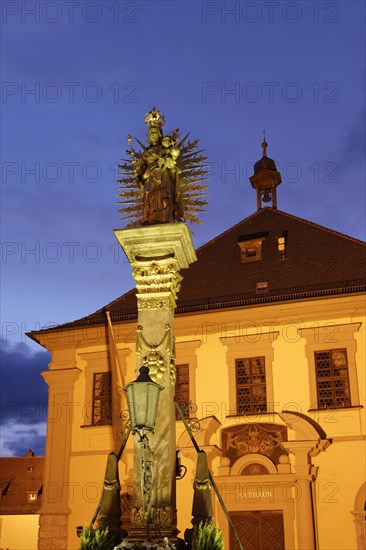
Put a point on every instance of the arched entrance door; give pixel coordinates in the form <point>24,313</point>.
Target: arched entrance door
<point>258,530</point>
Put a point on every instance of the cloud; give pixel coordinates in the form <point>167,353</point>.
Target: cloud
<point>353,147</point>
<point>17,439</point>
<point>23,392</point>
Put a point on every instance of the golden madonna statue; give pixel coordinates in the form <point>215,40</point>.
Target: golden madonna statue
<point>162,182</point>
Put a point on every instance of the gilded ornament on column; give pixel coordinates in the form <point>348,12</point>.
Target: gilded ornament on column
<point>173,370</point>
<point>155,363</point>
<point>153,278</point>
<point>155,303</point>
<point>150,352</point>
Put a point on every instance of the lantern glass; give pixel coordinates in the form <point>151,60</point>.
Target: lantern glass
<point>143,399</point>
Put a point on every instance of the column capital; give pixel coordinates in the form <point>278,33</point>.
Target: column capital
<point>60,377</point>
<point>156,242</point>
<point>157,283</point>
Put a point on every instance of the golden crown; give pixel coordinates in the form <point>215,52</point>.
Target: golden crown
<point>154,118</point>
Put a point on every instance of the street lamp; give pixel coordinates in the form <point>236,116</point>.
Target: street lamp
<point>142,400</point>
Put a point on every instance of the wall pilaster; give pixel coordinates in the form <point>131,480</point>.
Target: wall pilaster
<point>54,511</point>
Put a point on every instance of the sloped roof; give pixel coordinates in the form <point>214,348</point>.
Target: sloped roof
<point>317,262</point>
<point>21,477</point>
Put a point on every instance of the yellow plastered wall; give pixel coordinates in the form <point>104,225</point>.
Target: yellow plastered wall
<point>19,532</point>
<point>284,333</point>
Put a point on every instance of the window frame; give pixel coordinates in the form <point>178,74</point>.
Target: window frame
<point>186,390</point>
<point>254,245</point>
<point>260,345</point>
<point>97,362</point>
<point>185,352</point>
<point>331,336</point>
<point>332,378</point>
<point>106,421</point>
<point>251,385</point>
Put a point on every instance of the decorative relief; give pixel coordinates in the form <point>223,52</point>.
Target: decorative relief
<point>155,363</point>
<point>254,469</point>
<point>147,481</point>
<point>150,353</point>
<point>264,439</point>
<point>173,370</point>
<point>159,517</point>
<point>138,517</point>
<point>202,484</point>
<point>155,278</point>
<point>155,303</point>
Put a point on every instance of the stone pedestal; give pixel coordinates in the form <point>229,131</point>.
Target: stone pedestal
<point>157,253</point>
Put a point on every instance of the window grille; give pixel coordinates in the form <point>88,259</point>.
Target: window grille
<point>102,398</point>
<point>332,379</point>
<point>251,385</point>
<point>182,389</point>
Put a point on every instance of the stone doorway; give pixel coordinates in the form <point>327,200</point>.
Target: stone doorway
<point>258,530</point>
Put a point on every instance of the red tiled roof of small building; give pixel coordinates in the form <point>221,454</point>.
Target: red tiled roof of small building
<point>21,480</point>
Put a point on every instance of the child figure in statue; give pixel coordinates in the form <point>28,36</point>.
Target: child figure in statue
<point>169,155</point>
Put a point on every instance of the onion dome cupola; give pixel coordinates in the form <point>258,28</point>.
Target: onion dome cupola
<point>265,179</point>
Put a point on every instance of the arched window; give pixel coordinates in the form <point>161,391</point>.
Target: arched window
<point>254,469</point>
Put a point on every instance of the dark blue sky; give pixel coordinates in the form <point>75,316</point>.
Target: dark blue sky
<point>79,76</point>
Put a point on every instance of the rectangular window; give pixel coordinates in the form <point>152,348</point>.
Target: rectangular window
<point>102,398</point>
<point>251,385</point>
<point>332,381</point>
<point>182,389</point>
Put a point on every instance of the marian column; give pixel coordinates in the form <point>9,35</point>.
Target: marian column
<point>157,253</point>
<point>161,187</point>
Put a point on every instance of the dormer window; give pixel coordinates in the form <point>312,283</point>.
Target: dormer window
<point>251,252</point>
<point>251,247</point>
<point>261,286</point>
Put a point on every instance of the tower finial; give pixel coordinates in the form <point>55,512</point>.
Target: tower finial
<point>264,144</point>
